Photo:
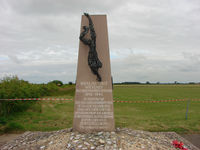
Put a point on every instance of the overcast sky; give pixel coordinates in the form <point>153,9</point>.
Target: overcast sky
<point>150,40</point>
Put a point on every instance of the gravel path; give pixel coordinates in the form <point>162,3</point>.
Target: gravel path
<point>121,139</point>
<point>7,137</point>
<point>193,138</point>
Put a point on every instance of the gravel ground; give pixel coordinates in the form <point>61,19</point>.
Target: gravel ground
<point>7,137</point>
<point>193,138</point>
<point>121,139</point>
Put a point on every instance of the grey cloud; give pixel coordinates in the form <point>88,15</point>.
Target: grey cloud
<point>141,67</point>
<point>41,72</point>
<point>14,59</point>
<point>51,7</point>
<point>155,40</point>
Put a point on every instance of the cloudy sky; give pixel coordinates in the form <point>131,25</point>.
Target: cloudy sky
<point>150,40</point>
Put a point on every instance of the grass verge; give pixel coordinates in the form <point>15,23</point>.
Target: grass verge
<point>167,116</point>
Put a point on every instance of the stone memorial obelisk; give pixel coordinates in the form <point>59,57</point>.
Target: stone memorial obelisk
<point>93,106</point>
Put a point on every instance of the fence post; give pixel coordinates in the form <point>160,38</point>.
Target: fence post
<point>186,114</point>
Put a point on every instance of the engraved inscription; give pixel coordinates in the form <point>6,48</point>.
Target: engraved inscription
<point>93,110</point>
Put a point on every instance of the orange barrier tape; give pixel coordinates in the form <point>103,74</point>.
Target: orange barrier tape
<point>155,101</point>
<point>14,99</point>
<point>116,101</point>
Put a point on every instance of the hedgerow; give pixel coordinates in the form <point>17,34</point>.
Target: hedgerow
<point>13,87</point>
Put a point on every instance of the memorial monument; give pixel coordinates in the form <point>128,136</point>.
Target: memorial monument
<point>93,106</point>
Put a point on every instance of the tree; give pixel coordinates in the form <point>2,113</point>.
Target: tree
<point>147,82</point>
<point>57,82</point>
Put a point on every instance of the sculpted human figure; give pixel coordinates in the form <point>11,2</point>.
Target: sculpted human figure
<point>93,60</point>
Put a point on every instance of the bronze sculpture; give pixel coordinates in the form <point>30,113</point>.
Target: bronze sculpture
<point>93,60</point>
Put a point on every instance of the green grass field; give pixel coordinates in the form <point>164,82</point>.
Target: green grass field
<point>165,116</point>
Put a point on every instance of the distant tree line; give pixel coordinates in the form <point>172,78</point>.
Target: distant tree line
<point>59,83</point>
<point>148,82</point>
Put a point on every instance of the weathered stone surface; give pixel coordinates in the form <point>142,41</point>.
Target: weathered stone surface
<point>93,109</point>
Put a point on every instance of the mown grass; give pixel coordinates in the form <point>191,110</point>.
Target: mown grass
<point>158,116</point>
<point>44,116</point>
<point>156,92</point>
<point>166,116</point>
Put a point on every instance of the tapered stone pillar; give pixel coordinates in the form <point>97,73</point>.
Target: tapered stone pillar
<point>93,106</point>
